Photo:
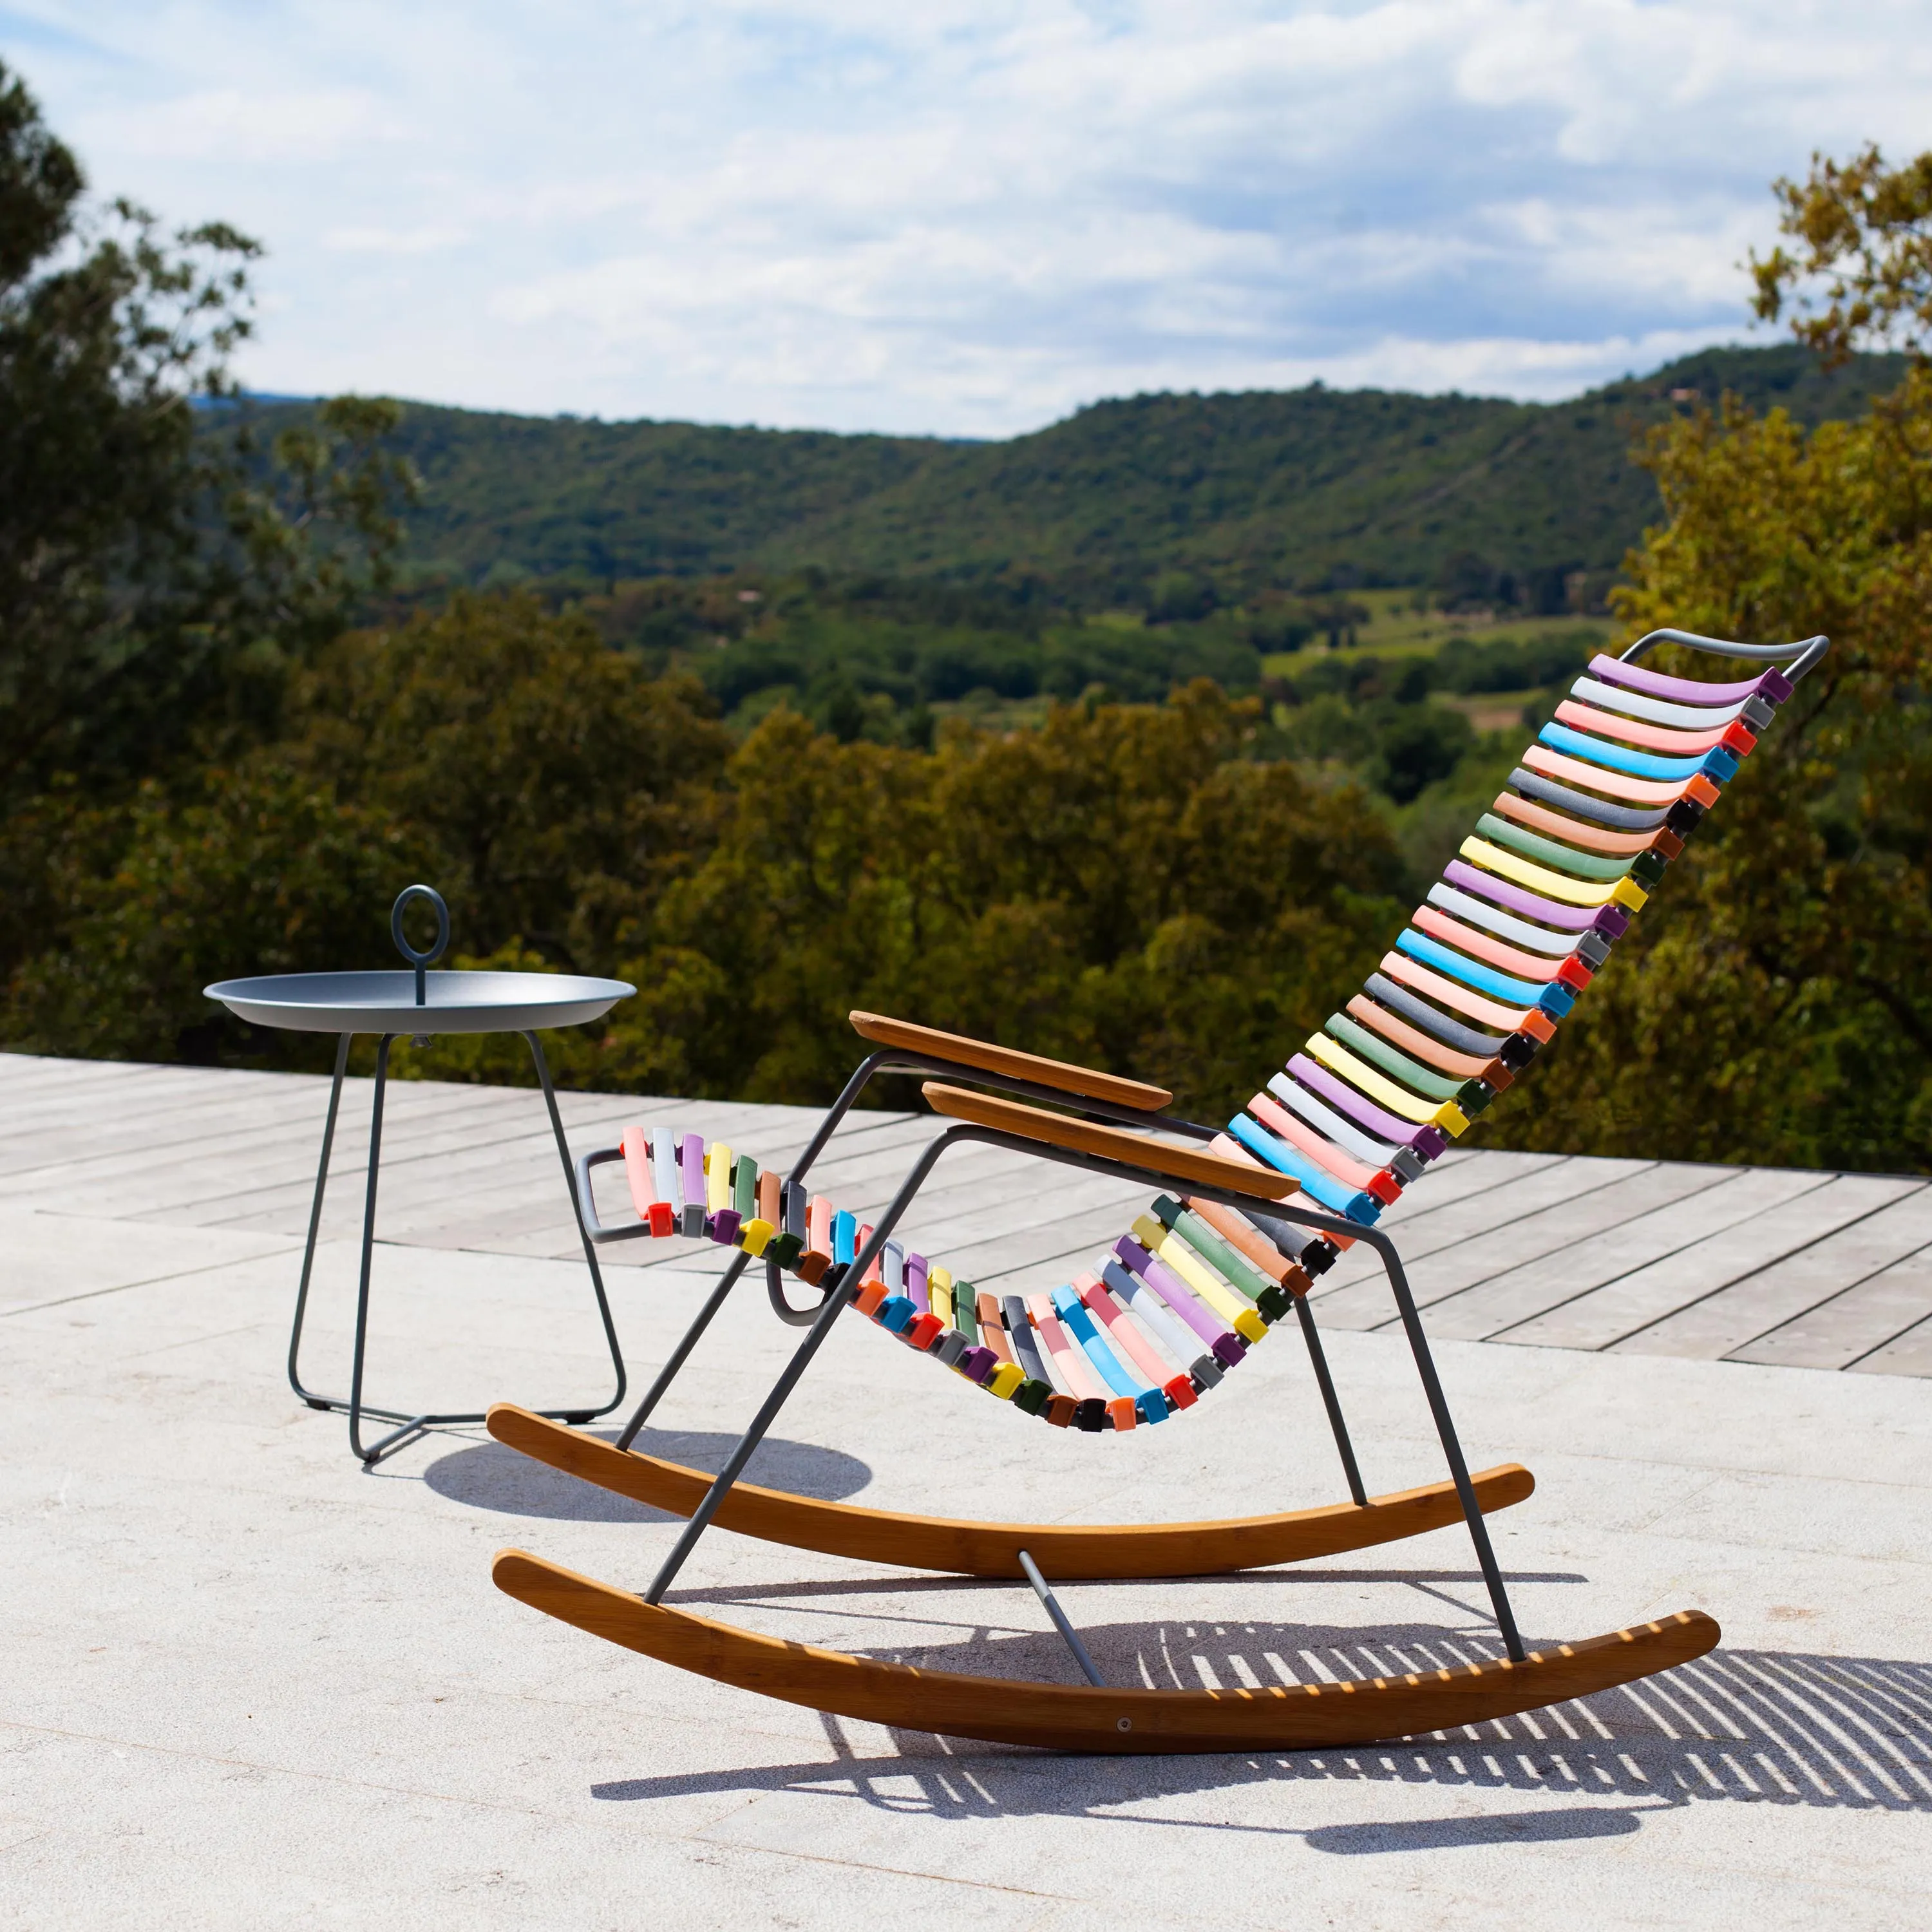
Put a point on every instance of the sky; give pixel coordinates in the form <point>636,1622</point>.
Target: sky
<point>967,217</point>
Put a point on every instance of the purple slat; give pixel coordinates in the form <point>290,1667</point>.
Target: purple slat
<point>1316,1078</point>
<point>1169,1288</point>
<point>692,1163</point>
<point>1612,922</point>
<point>1772,685</point>
<point>915,1273</point>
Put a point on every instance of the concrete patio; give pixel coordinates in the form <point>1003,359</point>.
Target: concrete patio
<point>247,1683</point>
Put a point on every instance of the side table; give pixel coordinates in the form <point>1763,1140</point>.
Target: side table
<point>419,1003</point>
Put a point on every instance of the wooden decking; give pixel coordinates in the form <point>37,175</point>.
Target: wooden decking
<point>1799,1268</point>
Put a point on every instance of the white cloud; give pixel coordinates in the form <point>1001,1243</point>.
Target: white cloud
<point>970,215</point>
<point>393,240</point>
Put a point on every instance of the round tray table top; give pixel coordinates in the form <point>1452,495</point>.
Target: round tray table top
<point>385,1002</point>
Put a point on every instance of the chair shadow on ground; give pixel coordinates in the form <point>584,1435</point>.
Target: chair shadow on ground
<point>1756,1726</point>
<point>489,1475</point>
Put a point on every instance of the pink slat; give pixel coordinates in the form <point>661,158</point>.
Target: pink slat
<point>637,1169</point>
<point>1658,737</point>
<point>1069,1358</point>
<point>1596,778</point>
<point>1124,1333</point>
<point>1298,1132</point>
<point>1480,946</point>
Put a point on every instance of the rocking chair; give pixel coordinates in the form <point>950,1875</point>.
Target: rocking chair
<point>1249,1217</point>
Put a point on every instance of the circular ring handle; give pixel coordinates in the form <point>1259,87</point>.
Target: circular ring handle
<point>420,960</point>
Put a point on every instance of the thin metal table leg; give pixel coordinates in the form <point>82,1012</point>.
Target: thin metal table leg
<point>668,1373</point>
<point>1452,1449</point>
<point>1318,1357</point>
<point>315,1227</point>
<point>583,1235</point>
<point>368,1457</point>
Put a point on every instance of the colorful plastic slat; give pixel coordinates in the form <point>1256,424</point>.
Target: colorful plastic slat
<point>1232,1308</point>
<point>1554,1000</point>
<point>1772,685</point>
<point>1325,1153</point>
<point>1484,1069</point>
<point>1286,1158</point>
<point>1226,1347</point>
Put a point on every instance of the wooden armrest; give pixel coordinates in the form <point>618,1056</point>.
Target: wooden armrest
<point>989,1059</point>
<point>1177,1163</point>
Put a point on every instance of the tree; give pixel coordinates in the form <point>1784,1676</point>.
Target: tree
<point>146,549</point>
<point>1862,277</point>
<point>1780,1009</point>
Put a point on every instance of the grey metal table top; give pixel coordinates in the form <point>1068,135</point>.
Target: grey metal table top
<point>385,1002</point>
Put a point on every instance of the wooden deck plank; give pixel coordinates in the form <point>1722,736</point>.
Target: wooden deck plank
<point>1733,1316</point>
<point>1633,1300</point>
<point>1550,1234</point>
<point>1477,1214</point>
<point>1479,1173</point>
<point>1853,1324</point>
<point>1525,1293</point>
<point>1907,1354</point>
<point>1569,1251</point>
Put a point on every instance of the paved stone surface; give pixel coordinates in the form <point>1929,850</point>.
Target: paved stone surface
<point>245,1683</point>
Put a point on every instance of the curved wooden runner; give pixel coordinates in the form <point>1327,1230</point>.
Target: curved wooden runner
<point>1121,1550</point>
<point>1069,1717</point>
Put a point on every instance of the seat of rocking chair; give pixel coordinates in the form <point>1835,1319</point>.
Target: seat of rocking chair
<point>1504,944</point>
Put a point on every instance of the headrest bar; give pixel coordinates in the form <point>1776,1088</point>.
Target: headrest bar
<point>1806,652</point>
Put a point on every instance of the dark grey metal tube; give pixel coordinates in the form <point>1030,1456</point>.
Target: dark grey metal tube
<point>835,1303</point>
<point>583,1235</point>
<point>1445,1431</point>
<point>1060,1622</point>
<point>315,1224</point>
<point>1317,1356</point>
<point>668,1373</point>
<point>367,1456</point>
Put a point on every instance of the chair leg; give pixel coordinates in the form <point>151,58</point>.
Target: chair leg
<point>835,1305</point>
<point>368,1457</point>
<point>1317,1356</point>
<point>668,1373</point>
<point>1445,1430</point>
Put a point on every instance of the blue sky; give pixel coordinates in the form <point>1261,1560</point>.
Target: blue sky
<point>969,218</point>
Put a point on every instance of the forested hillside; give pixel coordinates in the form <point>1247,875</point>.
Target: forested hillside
<point>1300,490</point>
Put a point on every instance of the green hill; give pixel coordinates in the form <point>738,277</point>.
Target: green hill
<point>1299,489</point>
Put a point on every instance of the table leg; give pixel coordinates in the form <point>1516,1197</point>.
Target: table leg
<point>355,1407</point>
<point>375,1452</point>
<point>583,1236</point>
<point>314,1227</point>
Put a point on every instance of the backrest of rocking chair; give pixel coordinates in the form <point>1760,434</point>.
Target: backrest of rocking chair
<point>1515,930</point>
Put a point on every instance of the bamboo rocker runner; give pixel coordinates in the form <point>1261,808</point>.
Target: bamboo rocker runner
<point>1249,1215</point>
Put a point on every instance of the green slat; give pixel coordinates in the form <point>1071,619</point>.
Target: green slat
<point>745,1186</point>
<point>1370,1046</point>
<point>1217,1253</point>
<point>1564,858</point>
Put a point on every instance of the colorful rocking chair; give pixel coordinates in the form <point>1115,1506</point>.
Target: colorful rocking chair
<point>1250,1214</point>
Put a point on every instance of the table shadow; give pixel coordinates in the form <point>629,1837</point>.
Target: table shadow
<point>493,1476</point>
